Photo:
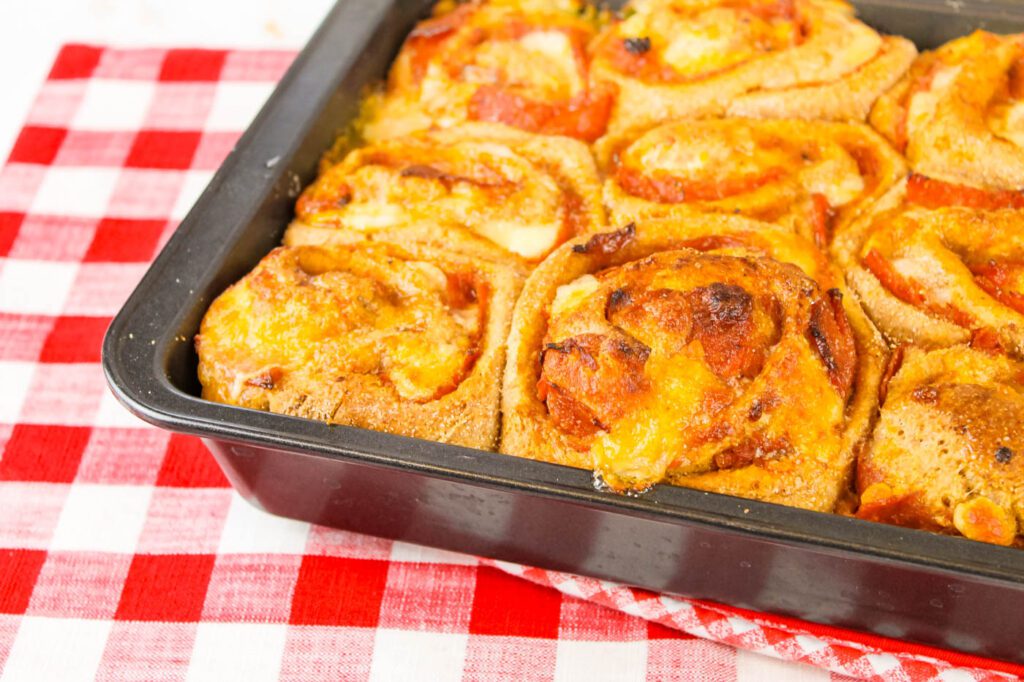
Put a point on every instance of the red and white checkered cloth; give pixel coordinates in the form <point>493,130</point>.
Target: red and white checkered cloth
<point>124,553</point>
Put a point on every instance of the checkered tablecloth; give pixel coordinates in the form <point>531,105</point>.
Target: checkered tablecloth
<point>124,554</point>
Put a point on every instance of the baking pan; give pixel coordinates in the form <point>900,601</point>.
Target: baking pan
<point>824,568</point>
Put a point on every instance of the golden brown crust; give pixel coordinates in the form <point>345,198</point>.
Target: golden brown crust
<point>511,194</point>
<point>673,59</point>
<point>849,98</point>
<point>948,450</point>
<point>405,340</point>
<point>518,62</point>
<point>812,177</point>
<point>956,112</point>
<point>787,467</point>
<point>931,264</point>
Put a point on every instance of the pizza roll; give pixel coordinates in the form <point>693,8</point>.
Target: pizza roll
<point>933,261</point>
<point>948,450</point>
<point>504,190</point>
<point>679,351</point>
<point>518,62</point>
<point>812,177</point>
<point>958,114</point>
<point>405,340</point>
<point>809,59</point>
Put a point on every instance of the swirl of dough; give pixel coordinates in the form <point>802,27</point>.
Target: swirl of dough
<point>948,450</point>
<point>518,62</point>
<point>809,59</point>
<point>683,351</point>
<point>812,177</point>
<point>933,261</point>
<point>522,193</point>
<point>405,340</point>
<point>958,114</point>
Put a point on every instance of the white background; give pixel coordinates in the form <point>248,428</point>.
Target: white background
<point>31,31</point>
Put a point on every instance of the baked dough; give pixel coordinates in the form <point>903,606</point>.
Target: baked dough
<point>522,193</point>
<point>932,262</point>
<point>810,59</point>
<point>518,62</point>
<point>812,177</point>
<point>675,350</point>
<point>958,114</point>
<point>405,340</point>
<point>948,450</point>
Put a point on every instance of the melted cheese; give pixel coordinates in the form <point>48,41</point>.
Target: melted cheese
<point>1007,121</point>
<point>837,178</point>
<point>570,296</point>
<point>922,104</point>
<point>529,241</point>
<point>310,317</point>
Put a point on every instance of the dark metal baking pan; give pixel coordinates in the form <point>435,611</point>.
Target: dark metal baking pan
<point>829,569</point>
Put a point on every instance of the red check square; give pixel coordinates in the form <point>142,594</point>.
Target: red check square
<point>19,569</point>
<point>188,464</point>
<point>37,144</point>
<point>659,631</point>
<point>45,453</point>
<point>192,65</point>
<point>121,240</point>
<point>339,591</point>
<point>75,61</point>
<point>75,339</point>
<point>170,149</point>
<point>507,605</point>
<point>583,620</point>
<point>10,223</point>
<point>169,587</point>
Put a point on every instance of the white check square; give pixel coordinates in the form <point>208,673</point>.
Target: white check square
<point>17,379</point>
<point>597,661</point>
<point>405,552</point>
<point>236,104</point>
<point>102,518</point>
<point>65,649</point>
<point>114,105</point>
<point>75,191</point>
<point>113,414</point>
<point>751,667</point>
<point>237,651</point>
<point>251,531</point>
<point>195,183</point>
<point>30,512</point>
<point>408,655</point>
<point>35,287</point>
